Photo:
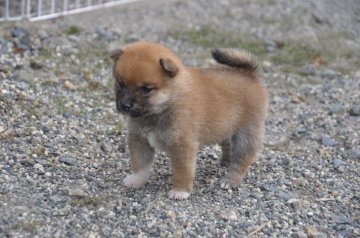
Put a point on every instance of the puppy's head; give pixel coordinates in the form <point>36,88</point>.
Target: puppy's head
<point>143,75</point>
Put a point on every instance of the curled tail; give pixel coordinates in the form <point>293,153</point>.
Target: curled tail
<point>239,59</point>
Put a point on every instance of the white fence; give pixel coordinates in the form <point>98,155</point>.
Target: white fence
<point>35,10</point>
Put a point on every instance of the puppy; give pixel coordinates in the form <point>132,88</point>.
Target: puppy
<point>179,109</point>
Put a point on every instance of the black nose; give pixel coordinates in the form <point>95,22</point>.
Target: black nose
<point>126,107</point>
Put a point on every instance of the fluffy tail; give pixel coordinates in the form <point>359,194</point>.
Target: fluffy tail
<point>239,59</point>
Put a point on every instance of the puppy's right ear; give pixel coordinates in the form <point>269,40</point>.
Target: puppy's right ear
<point>115,55</point>
<point>169,67</point>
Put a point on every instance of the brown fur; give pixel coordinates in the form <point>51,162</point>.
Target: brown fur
<point>188,108</point>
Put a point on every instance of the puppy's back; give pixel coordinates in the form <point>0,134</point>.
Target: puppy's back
<point>231,96</point>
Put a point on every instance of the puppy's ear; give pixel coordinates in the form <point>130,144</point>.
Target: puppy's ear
<point>115,55</point>
<point>169,67</point>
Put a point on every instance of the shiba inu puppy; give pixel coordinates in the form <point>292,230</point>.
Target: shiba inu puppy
<point>179,109</point>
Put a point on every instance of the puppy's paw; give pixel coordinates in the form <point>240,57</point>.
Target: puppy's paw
<point>178,195</point>
<point>227,183</point>
<point>136,180</point>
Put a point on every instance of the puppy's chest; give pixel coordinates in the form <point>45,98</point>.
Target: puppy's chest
<point>158,135</point>
<point>156,140</point>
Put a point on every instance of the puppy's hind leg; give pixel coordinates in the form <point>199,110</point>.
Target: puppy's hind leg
<point>142,158</point>
<point>244,146</point>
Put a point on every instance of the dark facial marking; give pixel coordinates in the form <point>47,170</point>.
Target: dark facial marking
<point>133,101</point>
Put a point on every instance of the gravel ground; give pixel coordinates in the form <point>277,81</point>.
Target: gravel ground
<point>62,145</point>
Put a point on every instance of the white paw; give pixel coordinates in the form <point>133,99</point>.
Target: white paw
<point>178,195</point>
<point>226,183</point>
<point>136,180</point>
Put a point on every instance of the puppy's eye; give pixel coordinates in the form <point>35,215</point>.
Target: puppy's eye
<point>146,89</point>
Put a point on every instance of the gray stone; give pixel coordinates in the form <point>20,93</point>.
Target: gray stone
<point>122,148</point>
<point>36,140</point>
<point>39,168</point>
<point>132,38</point>
<point>328,141</point>
<point>41,161</point>
<point>25,43</point>
<point>354,154</point>
<point>337,163</point>
<point>269,188</point>
<point>228,215</point>
<point>355,110</point>
<point>341,169</point>
<point>287,195</point>
<point>328,73</point>
<point>341,219</point>
<point>337,108</point>
<point>19,32</point>
<point>23,38</point>
<point>303,117</point>
<point>74,38</point>
<point>76,192</point>
<point>295,203</point>
<point>299,234</point>
<point>45,129</point>
<point>285,161</point>
<point>36,65</point>
<point>23,85</point>
<point>319,18</point>
<point>270,46</point>
<point>68,161</point>
<point>320,235</point>
<point>301,130</point>
<point>106,147</point>
<point>308,70</point>
<point>43,34</point>
<point>104,35</point>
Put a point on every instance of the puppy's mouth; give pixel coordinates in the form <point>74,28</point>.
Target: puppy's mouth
<point>136,113</point>
<point>132,113</point>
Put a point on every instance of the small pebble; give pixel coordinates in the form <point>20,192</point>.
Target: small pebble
<point>48,174</point>
<point>36,65</point>
<point>328,141</point>
<point>69,85</point>
<point>299,234</point>
<point>337,163</point>
<point>354,154</point>
<point>329,73</point>
<point>76,192</point>
<point>341,219</point>
<point>106,147</point>
<point>67,161</point>
<point>355,111</point>
<point>267,64</point>
<point>228,215</point>
<point>39,168</point>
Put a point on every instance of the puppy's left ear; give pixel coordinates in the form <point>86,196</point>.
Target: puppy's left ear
<point>115,55</point>
<point>169,67</point>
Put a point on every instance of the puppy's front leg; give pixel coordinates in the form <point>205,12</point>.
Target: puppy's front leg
<point>183,163</point>
<point>142,158</point>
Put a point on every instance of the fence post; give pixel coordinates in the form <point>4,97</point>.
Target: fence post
<point>6,9</point>
<point>28,9</point>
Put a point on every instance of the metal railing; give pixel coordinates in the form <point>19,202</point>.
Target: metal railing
<point>36,10</point>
